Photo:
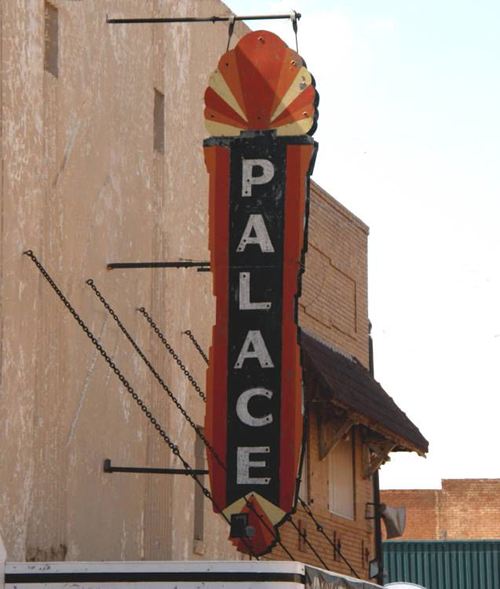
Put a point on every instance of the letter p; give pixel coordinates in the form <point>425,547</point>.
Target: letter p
<point>248,179</point>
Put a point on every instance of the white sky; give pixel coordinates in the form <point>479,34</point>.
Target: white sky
<point>409,140</point>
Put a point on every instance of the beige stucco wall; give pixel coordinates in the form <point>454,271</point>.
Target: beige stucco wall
<point>82,186</point>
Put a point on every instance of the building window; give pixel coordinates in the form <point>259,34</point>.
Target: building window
<point>159,122</point>
<point>341,478</point>
<point>51,41</point>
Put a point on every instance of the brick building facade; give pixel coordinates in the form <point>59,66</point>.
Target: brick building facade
<point>102,129</point>
<point>347,411</point>
<point>463,509</point>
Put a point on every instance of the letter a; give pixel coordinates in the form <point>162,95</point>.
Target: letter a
<point>261,237</point>
<point>254,347</point>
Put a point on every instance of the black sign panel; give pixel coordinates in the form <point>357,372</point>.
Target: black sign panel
<point>256,268</point>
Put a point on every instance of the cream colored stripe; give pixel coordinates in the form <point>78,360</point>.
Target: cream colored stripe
<point>219,85</point>
<point>216,129</point>
<point>273,512</point>
<point>300,127</point>
<point>300,83</point>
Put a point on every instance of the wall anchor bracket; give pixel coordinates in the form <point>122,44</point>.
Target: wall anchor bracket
<point>108,468</point>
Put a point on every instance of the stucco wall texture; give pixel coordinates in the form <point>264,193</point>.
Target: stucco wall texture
<point>83,186</point>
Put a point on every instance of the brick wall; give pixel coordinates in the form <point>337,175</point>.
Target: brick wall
<point>334,307</point>
<point>421,511</point>
<point>462,509</point>
<point>354,538</point>
<point>470,508</point>
<point>334,301</point>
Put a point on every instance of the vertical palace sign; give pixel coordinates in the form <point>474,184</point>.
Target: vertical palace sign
<point>260,110</point>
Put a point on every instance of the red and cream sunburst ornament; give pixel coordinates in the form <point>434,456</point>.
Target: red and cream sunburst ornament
<point>261,84</point>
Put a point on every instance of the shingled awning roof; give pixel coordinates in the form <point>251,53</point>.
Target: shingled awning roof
<point>344,381</point>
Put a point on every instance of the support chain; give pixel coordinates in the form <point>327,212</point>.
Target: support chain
<point>212,450</point>
<point>172,352</point>
<point>128,387</point>
<point>196,344</point>
<point>151,368</point>
<point>321,530</point>
<point>306,507</point>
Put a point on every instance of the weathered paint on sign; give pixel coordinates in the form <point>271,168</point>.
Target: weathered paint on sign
<point>258,203</point>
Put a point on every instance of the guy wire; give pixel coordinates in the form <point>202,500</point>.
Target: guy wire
<point>172,352</point>
<point>151,368</point>
<point>305,506</point>
<point>128,387</point>
<point>195,343</point>
<point>184,413</point>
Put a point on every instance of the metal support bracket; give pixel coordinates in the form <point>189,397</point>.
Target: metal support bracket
<point>108,468</point>
<point>200,266</point>
<point>294,16</point>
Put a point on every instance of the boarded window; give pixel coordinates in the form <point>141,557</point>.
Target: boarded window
<point>341,478</point>
<point>51,48</point>
<point>159,122</point>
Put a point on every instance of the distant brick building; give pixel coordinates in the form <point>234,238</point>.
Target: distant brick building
<point>462,509</point>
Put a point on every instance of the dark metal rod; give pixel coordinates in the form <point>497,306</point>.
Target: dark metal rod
<point>379,553</point>
<point>186,264</point>
<point>193,19</point>
<point>200,266</point>
<point>144,408</point>
<point>107,467</point>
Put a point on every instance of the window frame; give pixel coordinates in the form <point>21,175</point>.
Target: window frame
<point>350,437</point>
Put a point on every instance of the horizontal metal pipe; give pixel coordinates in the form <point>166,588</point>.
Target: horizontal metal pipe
<point>180,264</point>
<point>107,467</point>
<point>193,19</point>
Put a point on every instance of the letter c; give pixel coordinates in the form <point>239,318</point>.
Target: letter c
<point>242,407</point>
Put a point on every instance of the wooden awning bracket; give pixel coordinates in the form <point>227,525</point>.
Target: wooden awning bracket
<point>332,427</point>
<point>376,453</point>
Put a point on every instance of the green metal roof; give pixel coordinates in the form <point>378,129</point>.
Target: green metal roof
<point>444,564</point>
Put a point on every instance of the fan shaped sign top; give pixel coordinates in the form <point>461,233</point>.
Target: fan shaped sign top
<point>260,109</point>
<point>261,84</point>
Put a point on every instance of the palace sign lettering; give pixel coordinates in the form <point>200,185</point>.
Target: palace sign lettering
<point>259,164</point>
